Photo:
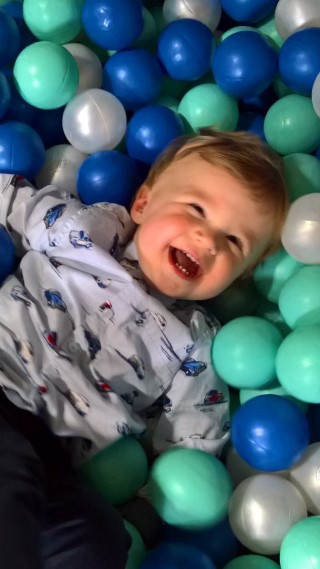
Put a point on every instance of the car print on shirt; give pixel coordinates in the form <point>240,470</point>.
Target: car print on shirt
<point>19,293</point>
<point>53,214</point>
<point>192,367</point>
<point>163,403</point>
<point>54,299</point>
<point>93,343</point>
<point>51,337</point>
<point>78,401</point>
<point>24,350</point>
<point>107,308</point>
<point>212,397</point>
<point>102,283</point>
<point>80,239</point>
<point>136,363</point>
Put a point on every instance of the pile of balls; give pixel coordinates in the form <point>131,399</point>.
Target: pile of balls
<point>91,92</point>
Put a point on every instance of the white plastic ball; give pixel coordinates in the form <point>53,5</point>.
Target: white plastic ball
<point>60,168</point>
<point>94,120</point>
<point>206,11</point>
<point>90,67</point>
<point>301,232</point>
<point>262,509</point>
<point>239,469</point>
<point>293,15</point>
<point>315,94</point>
<point>305,475</point>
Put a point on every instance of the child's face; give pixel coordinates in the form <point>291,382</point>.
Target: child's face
<point>198,229</point>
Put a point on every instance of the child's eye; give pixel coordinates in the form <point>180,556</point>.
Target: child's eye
<point>197,208</point>
<point>235,240</point>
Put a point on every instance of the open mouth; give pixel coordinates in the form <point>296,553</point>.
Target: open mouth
<point>185,263</point>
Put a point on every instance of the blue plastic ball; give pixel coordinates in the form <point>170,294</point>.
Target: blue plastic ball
<point>185,49</point>
<point>270,432</point>
<point>7,255</point>
<point>18,109</point>
<point>113,24</point>
<point>49,127</point>
<point>244,64</point>
<point>134,77</point>
<point>150,130</point>
<point>21,149</point>
<point>5,95</point>
<point>251,122</point>
<point>107,176</point>
<point>248,11</point>
<point>9,39</point>
<point>299,60</point>
<point>177,556</point>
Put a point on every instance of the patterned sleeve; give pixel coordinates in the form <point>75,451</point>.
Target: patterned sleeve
<point>36,219</point>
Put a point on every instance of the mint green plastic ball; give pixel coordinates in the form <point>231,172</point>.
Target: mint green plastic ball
<point>299,300</point>
<point>207,105</point>
<point>137,551</point>
<point>235,30</point>
<point>271,275</point>
<point>46,75</point>
<point>190,488</point>
<point>58,21</point>
<point>268,28</point>
<point>251,562</point>
<point>244,352</point>
<point>298,363</point>
<point>300,548</point>
<point>292,125</point>
<point>302,174</point>
<point>118,471</point>
<point>273,388</point>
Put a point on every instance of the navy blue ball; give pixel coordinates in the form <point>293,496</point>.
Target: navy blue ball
<point>177,556</point>
<point>5,95</point>
<point>21,149</point>
<point>185,48</point>
<point>252,121</point>
<point>248,11</point>
<point>9,39</point>
<point>299,60</point>
<point>107,176</point>
<point>317,154</point>
<point>270,432</point>
<point>7,255</point>
<point>113,24</point>
<point>150,130</point>
<point>134,77</point>
<point>18,109</point>
<point>244,64</point>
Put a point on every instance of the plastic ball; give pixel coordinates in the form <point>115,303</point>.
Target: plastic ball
<point>291,125</point>
<point>218,542</point>
<point>305,476</point>
<point>302,174</point>
<point>315,95</point>
<point>21,149</point>
<point>207,105</point>
<point>94,120</point>
<point>270,432</point>
<point>112,24</point>
<point>262,510</point>
<point>185,48</point>
<point>5,95</point>
<point>177,556</point>
<point>244,64</point>
<point>240,470</point>
<point>10,39</point>
<point>150,130</point>
<point>118,471</point>
<point>300,234</point>
<point>298,363</point>
<point>273,388</point>
<point>58,21</point>
<point>270,311</point>
<point>271,275</point>
<point>249,11</point>
<point>299,60</point>
<point>206,11</point>
<point>137,551</point>
<point>268,28</point>
<point>7,255</point>
<point>293,15</point>
<point>299,301</point>
<point>89,65</point>
<point>251,121</point>
<point>244,351</point>
<point>134,77</point>
<point>49,126</point>
<point>239,299</point>
<point>300,548</point>
<point>107,176</point>
<point>18,109</point>
<point>189,488</point>
<point>60,168</point>
<point>46,75</point>
<point>252,562</point>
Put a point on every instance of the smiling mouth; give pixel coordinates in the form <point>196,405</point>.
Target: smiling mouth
<point>185,263</point>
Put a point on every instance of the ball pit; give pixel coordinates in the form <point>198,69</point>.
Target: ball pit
<point>198,68</point>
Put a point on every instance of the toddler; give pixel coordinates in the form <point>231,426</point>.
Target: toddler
<point>102,337</point>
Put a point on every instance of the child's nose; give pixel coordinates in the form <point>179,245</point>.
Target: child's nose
<point>210,240</point>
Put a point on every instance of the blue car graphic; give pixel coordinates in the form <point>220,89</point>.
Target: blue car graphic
<point>193,367</point>
<point>53,214</point>
<point>80,239</point>
<point>20,293</point>
<point>93,342</point>
<point>54,299</point>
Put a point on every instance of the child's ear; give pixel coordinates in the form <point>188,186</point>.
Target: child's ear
<point>140,201</point>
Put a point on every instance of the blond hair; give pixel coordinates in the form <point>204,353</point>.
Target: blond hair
<point>247,158</point>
